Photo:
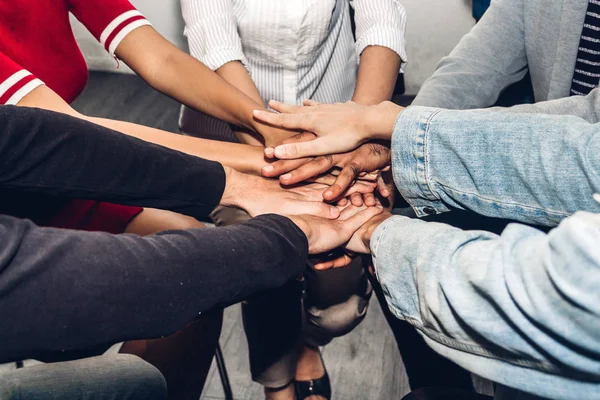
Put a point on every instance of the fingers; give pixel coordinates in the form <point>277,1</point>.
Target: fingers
<point>338,262</point>
<point>283,107</point>
<point>343,202</point>
<point>287,121</point>
<point>315,208</point>
<point>354,220</point>
<point>282,166</point>
<point>382,187</point>
<point>318,147</point>
<point>311,169</point>
<point>310,103</point>
<point>369,199</point>
<point>300,137</point>
<point>344,180</point>
<point>356,199</point>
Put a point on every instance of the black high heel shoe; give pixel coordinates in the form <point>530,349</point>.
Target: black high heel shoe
<point>315,387</point>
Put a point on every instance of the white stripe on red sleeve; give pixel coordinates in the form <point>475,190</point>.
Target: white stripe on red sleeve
<point>120,27</point>
<point>17,86</point>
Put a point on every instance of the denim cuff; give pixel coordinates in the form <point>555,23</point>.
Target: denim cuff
<point>410,160</point>
<point>396,277</point>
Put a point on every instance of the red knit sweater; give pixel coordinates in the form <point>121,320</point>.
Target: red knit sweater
<point>37,45</point>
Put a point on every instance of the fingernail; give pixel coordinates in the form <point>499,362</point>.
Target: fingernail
<point>334,212</point>
<point>328,194</point>
<point>269,151</point>
<point>286,176</point>
<point>379,206</point>
<point>267,168</point>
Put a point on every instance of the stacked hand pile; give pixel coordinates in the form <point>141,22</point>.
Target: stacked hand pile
<point>333,175</point>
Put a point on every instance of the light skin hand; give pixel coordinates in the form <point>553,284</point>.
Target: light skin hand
<point>237,75</point>
<point>360,242</point>
<point>339,127</point>
<point>259,196</point>
<point>325,235</point>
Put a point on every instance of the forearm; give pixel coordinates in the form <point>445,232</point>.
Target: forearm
<point>237,75</point>
<point>479,298</point>
<point>51,153</point>
<point>179,75</point>
<point>534,168</point>
<point>377,75</point>
<point>103,288</point>
<point>241,157</point>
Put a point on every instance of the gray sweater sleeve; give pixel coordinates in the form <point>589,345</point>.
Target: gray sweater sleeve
<point>68,290</point>
<point>488,59</point>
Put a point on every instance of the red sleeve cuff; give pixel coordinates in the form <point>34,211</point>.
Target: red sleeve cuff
<point>17,86</point>
<point>120,27</point>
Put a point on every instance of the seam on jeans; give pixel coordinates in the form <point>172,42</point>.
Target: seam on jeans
<point>385,228</point>
<point>506,203</point>
<point>496,354</point>
<point>426,152</point>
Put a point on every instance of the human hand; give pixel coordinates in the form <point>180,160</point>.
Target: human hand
<point>364,162</point>
<point>360,242</point>
<point>272,135</point>
<point>324,235</point>
<point>337,258</point>
<point>257,196</point>
<point>339,128</point>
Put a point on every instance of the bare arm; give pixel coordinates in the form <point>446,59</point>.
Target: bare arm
<point>236,74</point>
<point>180,76</point>
<point>377,75</point>
<point>241,157</point>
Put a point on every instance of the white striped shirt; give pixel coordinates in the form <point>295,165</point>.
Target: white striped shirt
<point>293,50</point>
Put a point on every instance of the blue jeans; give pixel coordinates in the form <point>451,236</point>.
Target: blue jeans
<point>107,377</point>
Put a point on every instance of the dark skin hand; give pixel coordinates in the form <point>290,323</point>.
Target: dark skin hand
<point>363,163</point>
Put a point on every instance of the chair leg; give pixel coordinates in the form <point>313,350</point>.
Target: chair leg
<point>223,373</point>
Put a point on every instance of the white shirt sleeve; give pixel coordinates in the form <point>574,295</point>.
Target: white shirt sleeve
<point>380,23</point>
<point>211,30</point>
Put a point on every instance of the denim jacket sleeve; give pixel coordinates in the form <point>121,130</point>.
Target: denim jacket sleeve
<point>521,309</point>
<point>533,168</point>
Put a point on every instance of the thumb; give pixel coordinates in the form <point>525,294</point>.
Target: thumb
<point>353,223</point>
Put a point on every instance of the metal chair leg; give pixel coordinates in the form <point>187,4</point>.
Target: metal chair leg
<point>223,373</point>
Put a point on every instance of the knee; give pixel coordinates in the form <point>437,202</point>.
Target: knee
<point>339,319</point>
<point>143,380</point>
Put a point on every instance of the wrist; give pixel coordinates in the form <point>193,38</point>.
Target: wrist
<point>301,224</point>
<point>381,118</point>
<point>375,222</point>
<point>232,194</point>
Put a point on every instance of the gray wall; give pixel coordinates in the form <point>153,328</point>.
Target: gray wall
<point>433,29</point>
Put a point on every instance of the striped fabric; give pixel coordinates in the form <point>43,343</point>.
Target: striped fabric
<point>294,50</point>
<point>587,67</point>
<point>17,86</point>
